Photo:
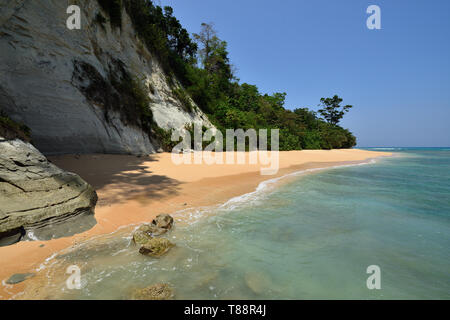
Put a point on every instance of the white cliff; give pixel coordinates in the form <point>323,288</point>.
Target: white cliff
<point>40,87</point>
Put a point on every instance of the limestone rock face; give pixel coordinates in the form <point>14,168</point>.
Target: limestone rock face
<point>37,198</point>
<point>40,85</point>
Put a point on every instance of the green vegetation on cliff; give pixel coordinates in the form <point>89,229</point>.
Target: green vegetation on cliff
<point>202,65</point>
<point>121,93</point>
<point>10,129</point>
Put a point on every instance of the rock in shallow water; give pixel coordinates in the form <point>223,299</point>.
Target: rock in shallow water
<point>163,221</point>
<point>142,235</point>
<point>152,230</point>
<point>258,282</point>
<point>160,225</point>
<point>19,277</point>
<point>158,291</point>
<point>156,247</point>
<point>38,197</point>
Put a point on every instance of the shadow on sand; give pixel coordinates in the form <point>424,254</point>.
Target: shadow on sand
<point>124,176</point>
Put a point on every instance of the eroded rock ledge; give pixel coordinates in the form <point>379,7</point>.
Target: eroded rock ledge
<point>39,200</point>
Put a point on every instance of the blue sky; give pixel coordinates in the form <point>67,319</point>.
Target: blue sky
<point>397,78</point>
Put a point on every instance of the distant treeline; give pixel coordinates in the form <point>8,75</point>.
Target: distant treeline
<point>202,65</point>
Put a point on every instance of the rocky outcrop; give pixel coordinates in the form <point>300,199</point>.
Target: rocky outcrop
<point>39,200</point>
<point>58,81</point>
<point>142,235</point>
<point>163,221</point>
<point>160,291</point>
<point>156,247</point>
<point>160,225</point>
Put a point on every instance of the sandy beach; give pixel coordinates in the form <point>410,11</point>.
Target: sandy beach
<point>134,189</point>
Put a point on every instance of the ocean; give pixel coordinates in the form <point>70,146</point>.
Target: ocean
<point>311,235</point>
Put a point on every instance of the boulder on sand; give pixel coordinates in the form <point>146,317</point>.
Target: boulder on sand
<point>156,247</point>
<point>160,291</point>
<point>38,197</point>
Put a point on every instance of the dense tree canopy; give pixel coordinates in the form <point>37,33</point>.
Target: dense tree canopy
<point>203,67</point>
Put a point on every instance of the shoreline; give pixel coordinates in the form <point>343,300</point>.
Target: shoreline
<point>134,190</point>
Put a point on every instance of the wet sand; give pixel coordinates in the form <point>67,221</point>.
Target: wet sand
<point>134,189</point>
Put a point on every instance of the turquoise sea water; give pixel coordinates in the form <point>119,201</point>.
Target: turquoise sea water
<point>311,238</point>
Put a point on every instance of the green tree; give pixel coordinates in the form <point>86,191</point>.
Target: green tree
<point>208,39</point>
<point>202,65</point>
<point>213,52</point>
<point>332,111</point>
